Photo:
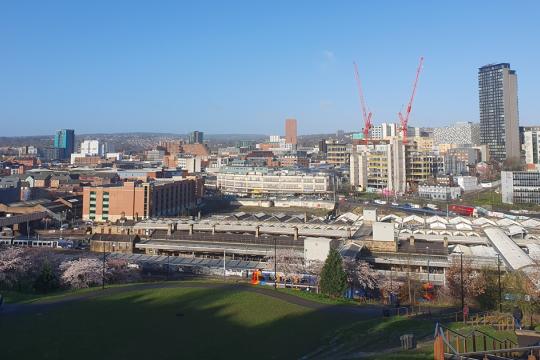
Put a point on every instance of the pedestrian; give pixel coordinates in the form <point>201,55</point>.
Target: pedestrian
<point>518,316</point>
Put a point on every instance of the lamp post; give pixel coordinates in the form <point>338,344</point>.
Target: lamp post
<point>103,268</point>
<point>499,276</point>
<point>461,277</point>
<point>427,250</point>
<point>275,263</point>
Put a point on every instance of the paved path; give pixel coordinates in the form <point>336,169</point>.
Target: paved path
<point>46,304</point>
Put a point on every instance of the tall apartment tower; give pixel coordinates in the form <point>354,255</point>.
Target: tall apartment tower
<point>499,117</point>
<point>196,137</point>
<point>290,131</point>
<point>64,140</point>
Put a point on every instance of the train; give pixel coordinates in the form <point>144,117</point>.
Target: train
<point>463,210</point>
<point>265,277</point>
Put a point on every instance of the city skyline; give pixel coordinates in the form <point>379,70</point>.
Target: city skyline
<point>246,78</point>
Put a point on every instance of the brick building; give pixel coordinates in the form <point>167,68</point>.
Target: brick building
<point>139,200</point>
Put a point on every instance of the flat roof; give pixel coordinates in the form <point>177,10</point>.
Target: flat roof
<point>511,253</point>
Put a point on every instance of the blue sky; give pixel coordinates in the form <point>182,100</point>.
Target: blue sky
<point>244,66</point>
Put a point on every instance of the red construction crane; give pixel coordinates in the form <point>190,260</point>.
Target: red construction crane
<point>365,114</point>
<point>405,119</point>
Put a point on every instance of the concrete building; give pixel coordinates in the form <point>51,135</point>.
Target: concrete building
<point>291,131</point>
<point>531,142</point>
<point>256,181</point>
<point>499,117</point>
<point>442,193</point>
<point>379,166</point>
<point>460,133</point>
<point>467,183</point>
<point>190,163</point>
<point>383,131</point>
<point>64,140</point>
<point>338,154</point>
<point>520,187</point>
<point>138,200</point>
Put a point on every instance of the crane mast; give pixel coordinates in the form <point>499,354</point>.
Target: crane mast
<point>365,114</point>
<point>404,119</point>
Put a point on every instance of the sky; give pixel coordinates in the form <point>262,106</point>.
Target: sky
<point>245,66</point>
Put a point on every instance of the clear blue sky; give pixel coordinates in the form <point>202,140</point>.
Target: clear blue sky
<point>243,67</point>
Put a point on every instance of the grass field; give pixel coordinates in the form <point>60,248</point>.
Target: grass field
<point>173,323</point>
<point>200,323</point>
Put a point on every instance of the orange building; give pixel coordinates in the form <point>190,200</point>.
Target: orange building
<point>290,131</point>
<point>139,200</point>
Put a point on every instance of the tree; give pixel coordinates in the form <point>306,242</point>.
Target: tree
<point>360,274</point>
<point>473,282</point>
<point>46,280</point>
<point>333,279</point>
<point>14,266</point>
<point>289,262</point>
<point>82,273</point>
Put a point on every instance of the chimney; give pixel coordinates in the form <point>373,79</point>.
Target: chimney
<point>411,239</point>
<point>257,231</point>
<point>190,229</point>
<point>295,233</point>
<point>213,229</point>
<point>445,241</point>
<point>169,229</point>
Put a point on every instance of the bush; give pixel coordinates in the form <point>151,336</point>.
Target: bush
<point>47,280</point>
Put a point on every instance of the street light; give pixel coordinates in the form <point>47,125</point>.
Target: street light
<point>427,249</point>
<point>499,275</point>
<point>275,263</point>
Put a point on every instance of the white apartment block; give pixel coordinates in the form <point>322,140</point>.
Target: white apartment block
<point>255,183</point>
<point>532,148</point>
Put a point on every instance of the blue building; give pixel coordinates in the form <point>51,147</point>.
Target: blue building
<point>65,140</point>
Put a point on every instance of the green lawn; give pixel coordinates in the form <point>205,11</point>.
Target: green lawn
<point>185,323</point>
<point>197,323</point>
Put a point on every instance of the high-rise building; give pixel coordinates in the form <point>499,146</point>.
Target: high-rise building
<point>531,146</point>
<point>196,137</point>
<point>64,139</point>
<point>460,133</point>
<point>290,131</point>
<point>499,117</point>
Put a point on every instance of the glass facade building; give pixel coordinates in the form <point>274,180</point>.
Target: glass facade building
<point>65,140</point>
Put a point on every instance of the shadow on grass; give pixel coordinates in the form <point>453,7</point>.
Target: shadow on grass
<point>145,324</point>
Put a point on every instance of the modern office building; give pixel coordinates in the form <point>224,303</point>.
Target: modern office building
<point>499,117</point>
<point>64,140</point>
<point>196,137</point>
<point>520,187</point>
<point>291,131</point>
<point>139,200</point>
<point>460,133</point>
<point>257,181</point>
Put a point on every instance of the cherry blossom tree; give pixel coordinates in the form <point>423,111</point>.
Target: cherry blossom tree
<point>474,283</point>
<point>14,265</point>
<point>360,274</point>
<point>82,273</point>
